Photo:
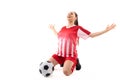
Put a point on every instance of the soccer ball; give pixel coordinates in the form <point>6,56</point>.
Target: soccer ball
<point>46,68</point>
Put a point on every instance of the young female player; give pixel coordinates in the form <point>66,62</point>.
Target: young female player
<point>68,38</point>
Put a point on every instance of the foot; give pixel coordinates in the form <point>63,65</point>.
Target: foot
<point>78,65</point>
<point>61,65</point>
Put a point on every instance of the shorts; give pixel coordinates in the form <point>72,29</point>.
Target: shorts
<point>61,60</point>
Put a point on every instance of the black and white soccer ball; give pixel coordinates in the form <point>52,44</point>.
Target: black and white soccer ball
<point>46,68</point>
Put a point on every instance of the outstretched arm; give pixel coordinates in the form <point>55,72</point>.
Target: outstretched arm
<point>53,29</point>
<point>108,28</point>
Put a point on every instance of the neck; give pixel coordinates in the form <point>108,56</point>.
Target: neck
<point>70,24</point>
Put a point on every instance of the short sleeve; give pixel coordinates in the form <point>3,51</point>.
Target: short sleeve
<point>83,33</point>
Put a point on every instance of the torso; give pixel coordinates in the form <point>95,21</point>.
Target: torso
<point>67,40</point>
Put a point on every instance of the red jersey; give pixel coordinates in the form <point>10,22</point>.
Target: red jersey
<point>67,40</point>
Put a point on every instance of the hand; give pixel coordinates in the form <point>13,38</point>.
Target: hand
<point>110,27</point>
<point>51,27</point>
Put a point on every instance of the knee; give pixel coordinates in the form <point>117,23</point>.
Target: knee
<point>53,61</point>
<point>66,72</point>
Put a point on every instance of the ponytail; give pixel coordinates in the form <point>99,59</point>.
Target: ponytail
<point>76,23</point>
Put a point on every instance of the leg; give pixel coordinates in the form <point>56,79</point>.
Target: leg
<point>67,68</point>
<point>53,61</point>
<point>78,65</point>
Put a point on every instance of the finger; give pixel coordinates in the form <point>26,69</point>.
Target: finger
<point>113,24</point>
<point>108,25</point>
<point>49,24</point>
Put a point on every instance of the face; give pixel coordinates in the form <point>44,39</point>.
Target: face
<point>71,16</point>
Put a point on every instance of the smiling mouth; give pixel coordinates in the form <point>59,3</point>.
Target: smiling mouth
<point>68,16</point>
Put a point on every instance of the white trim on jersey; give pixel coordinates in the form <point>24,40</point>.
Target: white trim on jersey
<point>63,47</point>
<point>72,49</point>
<point>59,47</point>
<point>82,34</point>
<point>67,49</point>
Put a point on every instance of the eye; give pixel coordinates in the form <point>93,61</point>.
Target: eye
<point>71,13</point>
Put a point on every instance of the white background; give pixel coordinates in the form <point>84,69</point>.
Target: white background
<point>26,40</point>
